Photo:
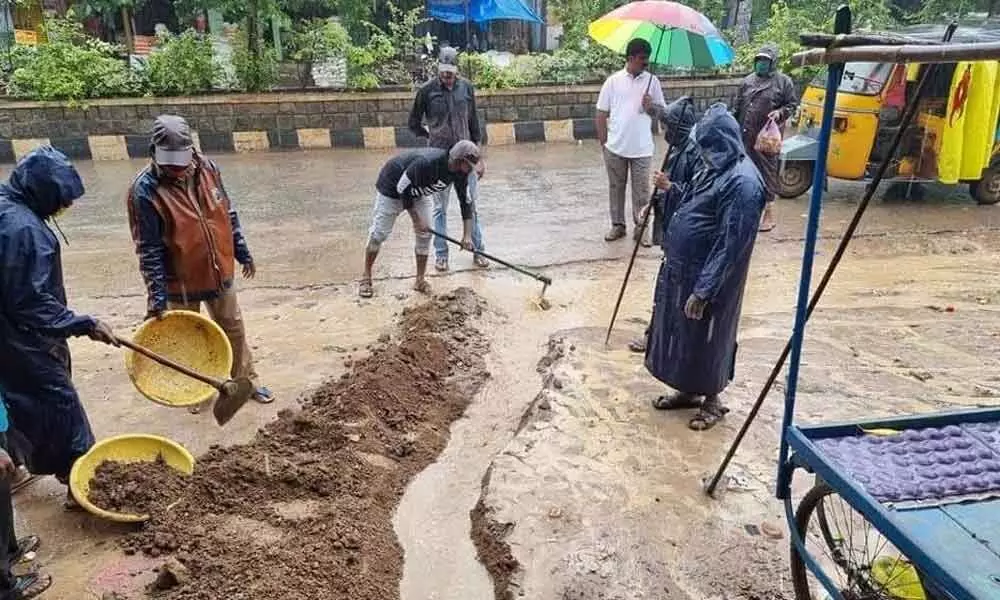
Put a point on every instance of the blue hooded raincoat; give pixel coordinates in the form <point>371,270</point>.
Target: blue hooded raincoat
<point>43,406</point>
<point>682,160</point>
<point>708,246</point>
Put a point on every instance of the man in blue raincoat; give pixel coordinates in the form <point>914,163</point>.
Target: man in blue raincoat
<point>692,340</point>
<point>35,369</point>
<point>682,162</point>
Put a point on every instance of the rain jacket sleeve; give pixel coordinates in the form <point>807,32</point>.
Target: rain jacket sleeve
<point>738,104</point>
<point>785,97</point>
<point>737,229</point>
<point>147,234</point>
<point>416,122</point>
<point>240,247</point>
<point>28,299</point>
<point>474,133</point>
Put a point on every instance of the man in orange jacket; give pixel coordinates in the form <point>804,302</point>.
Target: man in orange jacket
<point>188,238</point>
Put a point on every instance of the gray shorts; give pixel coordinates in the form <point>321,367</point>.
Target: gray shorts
<point>384,215</point>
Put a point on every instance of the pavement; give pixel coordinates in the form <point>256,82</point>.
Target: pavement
<point>603,462</point>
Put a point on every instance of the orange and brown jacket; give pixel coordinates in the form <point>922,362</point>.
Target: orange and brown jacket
<point>186,232</point>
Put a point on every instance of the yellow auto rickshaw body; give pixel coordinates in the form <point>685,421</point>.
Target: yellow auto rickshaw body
<point>953,138</point>
<point>855,123</point>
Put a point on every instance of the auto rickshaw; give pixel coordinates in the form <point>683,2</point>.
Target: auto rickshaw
<point>953,139</point>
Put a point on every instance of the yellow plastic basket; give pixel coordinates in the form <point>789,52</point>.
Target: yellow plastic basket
<point>898,577</point>
<point>186,338</point>
<point>125,448</point>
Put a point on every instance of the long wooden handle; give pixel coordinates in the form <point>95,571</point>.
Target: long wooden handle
<point>216,383</point>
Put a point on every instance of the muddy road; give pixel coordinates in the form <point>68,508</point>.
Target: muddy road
<point>599,495</point>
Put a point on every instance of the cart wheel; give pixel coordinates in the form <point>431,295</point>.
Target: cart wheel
<point>795,178</point>
<point>854,555</point>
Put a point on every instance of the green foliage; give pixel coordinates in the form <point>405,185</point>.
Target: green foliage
<point>388,55</point>
<point>575,15</point>
<point>254,73</point>
<point>317,40</point>
<point>72,66</point>
<point>486,75</point>
<point>182,65</point>
<point>788,20</point>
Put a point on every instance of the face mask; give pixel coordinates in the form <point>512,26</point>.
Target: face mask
<point>761,67</point>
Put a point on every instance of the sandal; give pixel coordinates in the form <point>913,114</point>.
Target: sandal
<point>678,401</point>
<point>365,289</point>
<point>708,417</point>
<point>481,262</point>
<point>23,479</point>
<point>25,546</point>
<point>441,264</point>
<point>422,286</point>
<point>638,345</point>
<point>30,585</point>
<point>263,395</point>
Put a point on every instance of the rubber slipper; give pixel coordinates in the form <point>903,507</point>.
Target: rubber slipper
<point>637,346</point>
<point>481,262</point>
<point>766,228</point>
<point>423,287</point>
<point>677,401</point>
<point>707,418</point>
<point>441,264</point>
<point>365,289</point>
<point>26,545</point>
<point>31,585</point>
<point>263,395</point>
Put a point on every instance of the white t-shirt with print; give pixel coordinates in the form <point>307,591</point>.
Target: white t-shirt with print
<point>630,132</point>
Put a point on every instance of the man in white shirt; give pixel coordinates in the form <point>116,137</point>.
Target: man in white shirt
<point>625,107</point>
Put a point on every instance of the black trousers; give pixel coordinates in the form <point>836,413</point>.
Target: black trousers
<point>8,539</point>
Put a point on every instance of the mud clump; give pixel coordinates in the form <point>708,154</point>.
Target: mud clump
<point>137,488</point>
<point>488,536</point>
<point>304,510</point>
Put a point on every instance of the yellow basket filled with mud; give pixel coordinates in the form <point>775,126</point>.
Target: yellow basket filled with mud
<point>125,448</point>
<point>189,339</point>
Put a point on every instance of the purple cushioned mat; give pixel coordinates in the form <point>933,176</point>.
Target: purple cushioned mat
<point>918,465</point>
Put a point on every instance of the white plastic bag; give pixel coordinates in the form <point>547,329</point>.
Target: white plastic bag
<point>769,139</point>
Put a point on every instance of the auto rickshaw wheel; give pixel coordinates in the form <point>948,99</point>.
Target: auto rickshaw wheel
<point>795,178</point>
<point>986,191</point>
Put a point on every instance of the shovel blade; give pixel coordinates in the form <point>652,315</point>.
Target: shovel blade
<point>232,396</point>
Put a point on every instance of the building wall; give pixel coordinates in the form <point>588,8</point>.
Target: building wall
<point>119,128</point>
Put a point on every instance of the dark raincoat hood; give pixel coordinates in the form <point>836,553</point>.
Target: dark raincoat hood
<point>44,181</point>
<point>769,51</point>
<point>718,138</point>
<point>679,118</point>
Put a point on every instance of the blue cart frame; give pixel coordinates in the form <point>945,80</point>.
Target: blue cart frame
<point>955,549</point>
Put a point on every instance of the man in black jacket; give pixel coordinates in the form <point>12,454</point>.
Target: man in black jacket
<point>444,112</point>
<point>407,182</point>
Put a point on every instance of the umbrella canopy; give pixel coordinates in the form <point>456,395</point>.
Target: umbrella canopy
<point>679,35</point>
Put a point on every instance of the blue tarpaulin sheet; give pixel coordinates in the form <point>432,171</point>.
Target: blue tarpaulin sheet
<point>480,11</point>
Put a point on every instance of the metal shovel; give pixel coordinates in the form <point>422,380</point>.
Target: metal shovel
<point>233,393</point>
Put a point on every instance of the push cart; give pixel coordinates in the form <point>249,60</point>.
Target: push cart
<point>903,508</point>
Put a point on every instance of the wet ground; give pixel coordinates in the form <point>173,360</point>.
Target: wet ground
<point>603,493</point>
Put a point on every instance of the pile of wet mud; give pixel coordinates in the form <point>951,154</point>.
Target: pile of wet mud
<point>304,510</point>
<point>136,488</point>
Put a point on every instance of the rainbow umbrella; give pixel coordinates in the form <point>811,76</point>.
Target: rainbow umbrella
<point>679,35</point>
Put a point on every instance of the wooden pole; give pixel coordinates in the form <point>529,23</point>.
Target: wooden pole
<point>900,54</point>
